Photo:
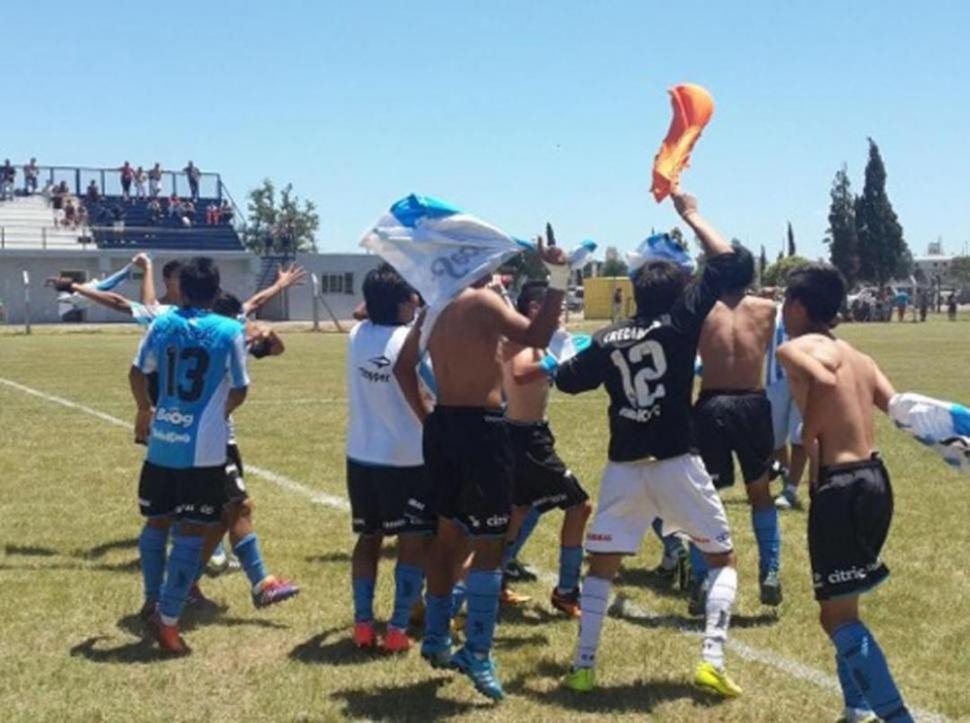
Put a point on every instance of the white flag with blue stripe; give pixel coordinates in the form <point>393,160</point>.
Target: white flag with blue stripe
<point>942,426</point>
<point>663,247</point>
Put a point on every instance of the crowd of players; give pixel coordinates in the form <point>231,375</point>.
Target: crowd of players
<point>450,450</point>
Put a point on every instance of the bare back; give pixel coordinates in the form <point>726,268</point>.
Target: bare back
<point>734,341</point>
<point>839,413</point>
<point>526,399</point>
<point>466,354</point>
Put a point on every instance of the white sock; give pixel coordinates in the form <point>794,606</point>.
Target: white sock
<point>593,599</point>
<point>722,588</point>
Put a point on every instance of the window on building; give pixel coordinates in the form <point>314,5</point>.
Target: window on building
<point>349,282</point>
<point>336,283</point>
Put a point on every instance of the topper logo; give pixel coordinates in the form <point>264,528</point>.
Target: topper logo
<point>456,265</point>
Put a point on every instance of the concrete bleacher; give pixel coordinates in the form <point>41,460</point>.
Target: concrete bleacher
<point>29,222</point>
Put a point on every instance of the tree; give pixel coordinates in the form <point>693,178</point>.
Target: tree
<point>762,265</point>
<point>613,264</point>
<point>791,240</point>
<point>289,225</point>
<point>883,253</point>
<point>842,239</point>
<point>777,273</point>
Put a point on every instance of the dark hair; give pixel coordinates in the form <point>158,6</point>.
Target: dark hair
<point>384,291</point>
<point>531,291</point>
<point>227,304</point>
<point>820,287</point>
<point>657,285</point>
<point>199,282</point>
<point>741,272</point>
<point>172,267</point>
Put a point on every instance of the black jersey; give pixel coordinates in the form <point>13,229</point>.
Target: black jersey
<point>647,366</point>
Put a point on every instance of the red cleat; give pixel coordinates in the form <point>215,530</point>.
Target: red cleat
<point>365,636</point>
<point>396,641</point>
<point>168,637</point>
<point>566,603</point>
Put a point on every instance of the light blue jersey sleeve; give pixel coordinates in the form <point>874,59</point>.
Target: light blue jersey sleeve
<point>147,358</point>
<point>238,374</point>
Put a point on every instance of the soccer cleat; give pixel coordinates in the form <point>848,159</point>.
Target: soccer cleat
<point>218,562</point>
<point>566,602</point>
<point>232,563</point>
<point>697,603</point>
<point>581,680</point>
<point>168,637</point>
<point>481,671</point>
<point>715,680</point>
<point>396,641</point>
<point>852,715</point>
<point>365,636</point>
<point>771,589</point>
<point>508,596</point>
<point>437,655</point>
<point>195,598</point>
<point>788,500</point>
<point>515,570</point>
<point>273,590</point>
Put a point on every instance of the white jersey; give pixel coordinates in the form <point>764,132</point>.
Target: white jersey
<point>774,372</point>
<point>145,314</point>
<point>382,429</point>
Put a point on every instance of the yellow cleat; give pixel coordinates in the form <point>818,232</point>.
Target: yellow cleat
<point>715,680</point>
<point>581,680</point>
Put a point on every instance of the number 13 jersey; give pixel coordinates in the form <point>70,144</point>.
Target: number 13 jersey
<point>198,356</point>
<point>647,366</point>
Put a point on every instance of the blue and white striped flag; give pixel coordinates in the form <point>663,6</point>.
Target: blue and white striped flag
<point>660,246</point>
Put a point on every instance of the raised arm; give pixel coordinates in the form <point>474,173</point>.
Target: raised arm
<point>406,372</point>
<point>109,299</point>
<point>714,244</point>
<point>284,279</point>
<point>144,262</point>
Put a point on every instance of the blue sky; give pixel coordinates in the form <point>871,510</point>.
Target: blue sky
<point>520,112</point>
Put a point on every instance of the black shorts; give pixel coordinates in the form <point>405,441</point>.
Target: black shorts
<point>468,453</point>
<point>734,422</point>
<point>389,500</point>
<point>848,521</point>
<point>541,478</point>
<point>194,494</point>
<point>235,487</point>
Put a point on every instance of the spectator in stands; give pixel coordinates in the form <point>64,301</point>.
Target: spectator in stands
<point>140,178</point>
<point>154,209</point>
<point>31,172</point>
<point>58,195</point>
<point>155,180</point>
<point>82,215</point>
<point>7,176</point>
<point>174,206</point>
<point>93,194</point>
<point>187,213</point>
<point>225,212</point>
<point>193,174</point>
<point>70,212</point>
<point>127,175</point>
<point>211,214</point>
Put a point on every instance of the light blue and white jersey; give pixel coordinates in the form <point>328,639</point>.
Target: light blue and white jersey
<point>199,356</point>
<point>774,372</point>
<point>145,314</point>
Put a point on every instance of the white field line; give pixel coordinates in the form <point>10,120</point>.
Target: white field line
<point>626,607</point>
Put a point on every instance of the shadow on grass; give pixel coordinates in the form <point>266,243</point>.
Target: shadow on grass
<point>130,566</point>
<point>641,696</point>
<point>537,640</point>
<point>331,647</point>
<point>140,651</point>
<point>388,552</point>
<point>627,610</point>
<point>528,615</point>
<point>100,550</point>
<point>412,702</point>
<point>643,578</point>
<point>30,551</point>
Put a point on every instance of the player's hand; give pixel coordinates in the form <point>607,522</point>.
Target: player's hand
<point>288,277</point>
<point>61,283</point>
<point>683,202</point>
<point>547,249</point>
<point>141,261</point>
<point>143,425</point>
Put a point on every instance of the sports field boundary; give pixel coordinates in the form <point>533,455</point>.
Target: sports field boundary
<point>792,668</point>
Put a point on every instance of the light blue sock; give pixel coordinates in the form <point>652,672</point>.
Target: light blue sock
<point>483,590</point>
<point>364,599</point>
<point>671,543</point>
<point>867,665</point>
<point>529,523</point>
<point>437,621</point>
<point>570,560</point>
<point>851,695</point>
<point>408,580</point>
<point>183,562</point>
<point>698,564</point>
<point>247,550</point>
<point>768,535</point>
<point>151,549</point>
<point>458,594</point>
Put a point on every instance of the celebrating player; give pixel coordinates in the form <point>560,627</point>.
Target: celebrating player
<point>390,493</point>
<point>836,388</point>
<point>647,366</point>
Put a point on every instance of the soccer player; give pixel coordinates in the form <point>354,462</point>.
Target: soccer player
<point>390,492</point>
<point>647,366</point>
<point>836,388</point>
<point>200,358</point>
<point>468,452</point>
<point>732,416</point>
<point>542,481</point>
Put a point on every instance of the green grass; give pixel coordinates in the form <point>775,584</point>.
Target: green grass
<point>70,585</point>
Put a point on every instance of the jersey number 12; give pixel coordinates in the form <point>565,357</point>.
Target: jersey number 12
<point>636,383</point>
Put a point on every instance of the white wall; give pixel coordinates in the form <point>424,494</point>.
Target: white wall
<point>341,303</point>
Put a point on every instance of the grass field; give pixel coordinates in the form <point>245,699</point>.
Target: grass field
<point>72,649</point>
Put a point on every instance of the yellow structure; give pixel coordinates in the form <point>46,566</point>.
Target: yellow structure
<point>598,296</point>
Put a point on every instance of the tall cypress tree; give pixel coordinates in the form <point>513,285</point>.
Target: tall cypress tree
<point>762,264</point>
<point>841,238</point>
<point>883,253</point>
<point>791,240</point>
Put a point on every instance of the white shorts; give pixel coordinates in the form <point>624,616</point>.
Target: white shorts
<point>786,420</point>
<point>678,491</point>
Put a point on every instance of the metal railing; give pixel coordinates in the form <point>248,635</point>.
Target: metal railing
<point>77,179</point>
<point>10,233</point>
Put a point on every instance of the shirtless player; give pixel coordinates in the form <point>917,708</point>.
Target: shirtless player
<point>468,455</point>
<point>836,388</point>
<point>732,416</point>
<point>542,481</point>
